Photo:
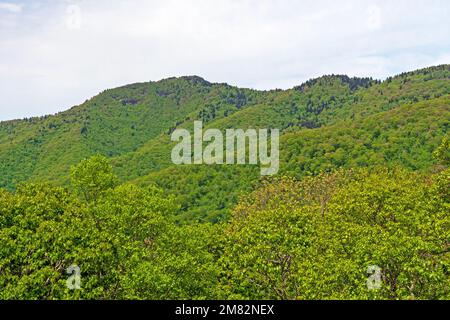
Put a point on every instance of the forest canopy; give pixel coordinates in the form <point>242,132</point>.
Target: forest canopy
<point>313,238</point>
<point>92,207</point>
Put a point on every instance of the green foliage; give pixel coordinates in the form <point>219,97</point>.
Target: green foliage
<point>131,124</point>
<point>404,136</point>
<point>442,154</point>
<point>183,265</point>
<point>94,187</point>
<point>313,238</point>
<point>281,245</point>
<point>91,177</point>
<point>45,229</point>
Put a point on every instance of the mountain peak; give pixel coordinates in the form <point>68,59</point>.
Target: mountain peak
<point>354,83</point>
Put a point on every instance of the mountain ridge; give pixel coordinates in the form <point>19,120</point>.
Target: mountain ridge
<point>132,124</point>
<point>200,79</point>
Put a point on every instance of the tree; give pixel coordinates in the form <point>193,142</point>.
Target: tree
<point>442,153</point>
<point>45,230</point>
<point>93,176</point>
<point>279,245</point>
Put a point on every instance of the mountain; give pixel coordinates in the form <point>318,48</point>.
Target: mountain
<point>329,122</point>
<point>358,210</point>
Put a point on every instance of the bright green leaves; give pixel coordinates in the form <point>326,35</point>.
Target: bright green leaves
<point>390,219</point>
<point>182,266</point>
<point>282,244</point>
<point>265,253</point>
<point>108,234</point>
<point>442,153</point>
<point>318,238</point>
<point>93,176</point>
<point>37,241</point>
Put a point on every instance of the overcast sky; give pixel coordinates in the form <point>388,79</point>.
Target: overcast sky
<point>56,54</point>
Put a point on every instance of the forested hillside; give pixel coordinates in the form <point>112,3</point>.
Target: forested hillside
<point>314,238</point>
<point>332,121</point>
<point>363,181</point>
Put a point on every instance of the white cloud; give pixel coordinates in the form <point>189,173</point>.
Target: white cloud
<point>10,7</point>
<point>58,53</point>
<point>374,18</point>
<point>74,17</point>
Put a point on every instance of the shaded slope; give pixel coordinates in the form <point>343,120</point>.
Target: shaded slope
<point>328,122</point>
<point>404,136</point>
<point>116,122</point>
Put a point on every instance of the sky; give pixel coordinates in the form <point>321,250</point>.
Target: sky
<point>56,54</point>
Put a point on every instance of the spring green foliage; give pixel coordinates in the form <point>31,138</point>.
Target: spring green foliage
<point>405,136</point>
<point>442,154</point>
<point>90,178</point>
<point>116,123</point>
<point>46,229</point>
<point>283,244</point>
<point>290,239</point>
<point>364,182</point>
<point>132,124</point>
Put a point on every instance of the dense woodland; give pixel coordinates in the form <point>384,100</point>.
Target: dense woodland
<point>364,181</point>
